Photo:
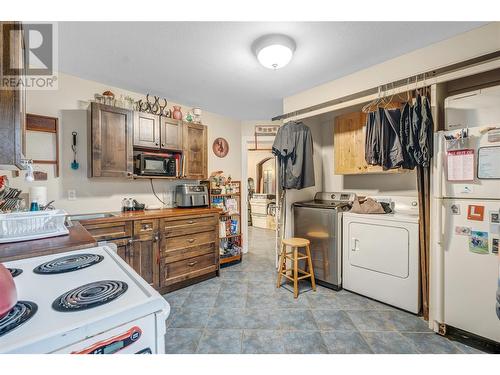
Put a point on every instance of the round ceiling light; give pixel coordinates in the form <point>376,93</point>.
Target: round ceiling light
<point>274,51</point>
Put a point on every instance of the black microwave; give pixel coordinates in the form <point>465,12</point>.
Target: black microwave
<point>149,164</point>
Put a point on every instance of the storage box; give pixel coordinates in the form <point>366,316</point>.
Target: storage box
<point>259,221</point>
<point>258,207</point>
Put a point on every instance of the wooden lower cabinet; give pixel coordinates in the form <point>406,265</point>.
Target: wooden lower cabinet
<point>144,259</point>
<point>168,252</point>
<point>188,250</point>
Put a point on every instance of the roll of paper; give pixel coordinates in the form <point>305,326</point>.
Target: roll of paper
<point>39,193</point>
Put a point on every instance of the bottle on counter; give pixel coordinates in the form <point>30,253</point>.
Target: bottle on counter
<point>34,205</point>
<point>124,204</point>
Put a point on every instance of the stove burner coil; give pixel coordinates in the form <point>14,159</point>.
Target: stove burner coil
<point>68,263</point>
<point>90,295</point>
<point>15,271</point>
<point>19,314</point>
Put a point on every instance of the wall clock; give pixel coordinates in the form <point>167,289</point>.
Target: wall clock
<point>220,147</point>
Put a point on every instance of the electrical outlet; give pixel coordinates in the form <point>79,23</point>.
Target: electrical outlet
<point>71,194</point>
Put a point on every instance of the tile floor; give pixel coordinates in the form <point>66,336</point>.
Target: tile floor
<point>242,311</point>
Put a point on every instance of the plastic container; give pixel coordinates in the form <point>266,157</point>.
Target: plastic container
<point>23,226</point>
<point>259,220</point>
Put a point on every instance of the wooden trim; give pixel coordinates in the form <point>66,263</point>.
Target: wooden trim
<point>45,124</point>
<point>40,123</point>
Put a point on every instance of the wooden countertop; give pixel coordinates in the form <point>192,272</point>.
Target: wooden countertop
<point>78,238</point>
<point>152,214</point>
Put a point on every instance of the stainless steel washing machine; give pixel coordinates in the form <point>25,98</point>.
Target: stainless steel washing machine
<point>320,221</point>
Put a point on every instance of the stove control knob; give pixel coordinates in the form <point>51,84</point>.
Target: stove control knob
<point>333,196</point>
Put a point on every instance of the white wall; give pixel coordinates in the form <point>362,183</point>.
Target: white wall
<point>403,184</point>
<point>471,44</point>
<point>69,104</point>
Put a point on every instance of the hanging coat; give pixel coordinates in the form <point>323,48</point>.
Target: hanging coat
<point>416,123</point>
<point>405,136</point>
<point>425,138</point>
<point>391,148</point>
<point>293,146</point>
<point>372,142</point>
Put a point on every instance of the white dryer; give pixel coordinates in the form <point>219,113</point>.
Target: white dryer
<point>381,255</point>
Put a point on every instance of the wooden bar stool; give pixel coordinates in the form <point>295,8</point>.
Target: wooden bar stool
<point>295,256</point>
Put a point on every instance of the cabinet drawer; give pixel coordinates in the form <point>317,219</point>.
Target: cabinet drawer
<point>181,242</point>
<point>188,252</point>
<point>188,226</point>
<point>109,231</point>
<point>146,226</point>
<point>194,220</point>
<point>187,268</point>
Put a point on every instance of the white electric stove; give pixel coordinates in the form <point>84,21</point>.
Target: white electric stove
<point>86,301</point>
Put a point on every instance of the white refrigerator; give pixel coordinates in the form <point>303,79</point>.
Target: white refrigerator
<point>465,232</point>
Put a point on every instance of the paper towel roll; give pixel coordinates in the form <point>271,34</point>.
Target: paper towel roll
<point>39,193</point>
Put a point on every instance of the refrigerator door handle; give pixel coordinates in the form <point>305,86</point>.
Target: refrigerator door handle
<point>440,161</point>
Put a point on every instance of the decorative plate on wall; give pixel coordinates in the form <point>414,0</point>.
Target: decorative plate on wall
<point>220,147</point>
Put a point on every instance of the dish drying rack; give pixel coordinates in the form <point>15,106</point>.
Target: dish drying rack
<point>24,226</point>
<point>9,199</point>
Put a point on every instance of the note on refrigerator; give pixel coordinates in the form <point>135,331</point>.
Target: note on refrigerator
<point>460,165</point>
<point>488,163</point>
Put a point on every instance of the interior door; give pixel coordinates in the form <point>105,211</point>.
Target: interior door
<point>146,130</point>
<point>171,134</point>
<point>471,278</point>
<point>370,249</point>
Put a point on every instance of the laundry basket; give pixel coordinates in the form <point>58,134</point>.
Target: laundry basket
<point>23,226</point>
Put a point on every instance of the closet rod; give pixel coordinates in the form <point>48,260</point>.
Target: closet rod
<point>395,84</point>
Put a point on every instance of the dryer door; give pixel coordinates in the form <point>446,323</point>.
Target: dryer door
<point>379,247</point>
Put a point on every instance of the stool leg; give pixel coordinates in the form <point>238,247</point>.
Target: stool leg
<point>280,265</point>
<point>295,272</point>
<point>311,269</point>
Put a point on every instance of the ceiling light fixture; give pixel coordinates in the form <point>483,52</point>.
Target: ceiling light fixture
<point>274,51</point>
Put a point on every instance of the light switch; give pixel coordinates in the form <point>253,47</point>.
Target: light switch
<point>71,194</point>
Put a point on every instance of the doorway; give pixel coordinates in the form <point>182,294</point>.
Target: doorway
<point>259,183</point>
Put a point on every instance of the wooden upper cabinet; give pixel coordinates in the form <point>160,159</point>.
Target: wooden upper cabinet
<point>12,100</point>
<point>146,130</point>
<point>349,145</point>
<point>195,151</point>
<point>170,133</point>
<point>110,141</point>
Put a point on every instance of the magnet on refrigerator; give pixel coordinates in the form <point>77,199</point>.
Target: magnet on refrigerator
<point>478,242</point>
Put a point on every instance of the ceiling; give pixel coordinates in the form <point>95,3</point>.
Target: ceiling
<point>211,65</point>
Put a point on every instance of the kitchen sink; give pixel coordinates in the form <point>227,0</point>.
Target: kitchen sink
<point>91,216</point>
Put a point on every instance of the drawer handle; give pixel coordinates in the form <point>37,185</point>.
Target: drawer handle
<point>191,264</point>
<point>191,222</point>
<point>191,240</point>
<point>147,226</point>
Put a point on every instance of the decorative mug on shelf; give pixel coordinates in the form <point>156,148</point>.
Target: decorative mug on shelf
<point>177,114</point>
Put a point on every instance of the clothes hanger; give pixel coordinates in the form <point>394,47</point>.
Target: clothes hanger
<point>368,107</point>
